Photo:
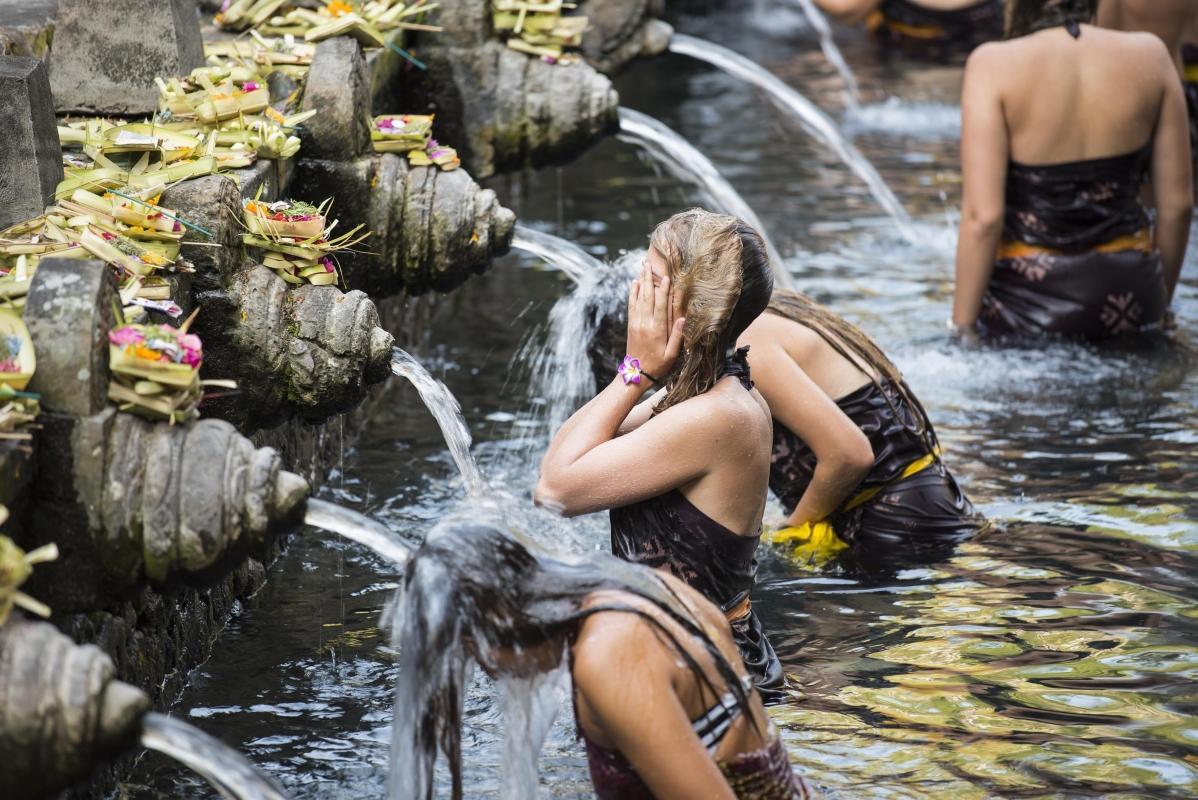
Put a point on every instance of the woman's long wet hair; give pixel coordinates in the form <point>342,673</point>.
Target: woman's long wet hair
<point>479,584</point>
<point>1029,16</point>
<point>851,343</point>
<point>720,269</point>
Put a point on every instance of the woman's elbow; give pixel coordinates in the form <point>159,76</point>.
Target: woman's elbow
<point>551,497</point>
<point>856,459</point>
<point>982,221</point>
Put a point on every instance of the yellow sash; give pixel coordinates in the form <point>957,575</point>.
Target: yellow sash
<point>1140,240</point>
<point>816,542</point>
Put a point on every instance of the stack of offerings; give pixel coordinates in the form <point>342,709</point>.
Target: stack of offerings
<point>412,134</point>
<point>367,22</point>
<point>538,28</point>
<point>155,370</point>
<point>17,365</point>
<point>102,153</point>
<point>125,228</point>
<point>22,246</point>
<point>277,54</point>
<point>229,106</point>
<point>295,241</point>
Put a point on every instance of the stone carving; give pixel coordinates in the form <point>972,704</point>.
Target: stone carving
<point>429,229</point>
<point>619,31</point>
<point>503,109</point>
<point>60,710</point>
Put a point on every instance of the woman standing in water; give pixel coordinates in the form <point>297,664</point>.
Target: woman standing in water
<point>661,699</point>
<point>855,459</point>
<point>685,475</point>
<point>932,29</point>
<point>1060,126</point>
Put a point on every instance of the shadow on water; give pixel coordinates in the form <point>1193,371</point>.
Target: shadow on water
<point>1052,657</point>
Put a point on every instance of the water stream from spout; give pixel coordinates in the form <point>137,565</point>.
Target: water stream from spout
<point>229,772</point>
<point>561,253</point>
<point>448,413</point>
<point>359,528</point>
<point>686,163</point>
<point>806,113</point>
<point>831,52</point>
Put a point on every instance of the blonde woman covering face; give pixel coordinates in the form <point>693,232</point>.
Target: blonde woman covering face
<point>684,474</point>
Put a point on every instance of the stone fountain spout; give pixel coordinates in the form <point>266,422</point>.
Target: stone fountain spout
<point>61,711</point>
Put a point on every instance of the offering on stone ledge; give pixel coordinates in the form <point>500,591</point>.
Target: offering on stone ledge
<point>366,22</point>
<point>538,28</point>
<point>399,133</point>
<point>295,241</point>
<point>155,370</point>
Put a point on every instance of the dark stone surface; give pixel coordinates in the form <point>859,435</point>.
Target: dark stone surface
<point>69,311</point>
<point>30,156</point>
<point>106,54</point>
<point>338,86</point>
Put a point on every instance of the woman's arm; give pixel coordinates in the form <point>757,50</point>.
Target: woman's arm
<point>984,154</point>
<point>849,12</point>
<point>1172,179</point>
<point>640,414</point>
<point>587,468</point>
<point>842,452</point>
<point>626,687</point>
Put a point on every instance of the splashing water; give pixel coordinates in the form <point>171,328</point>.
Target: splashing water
<point>806,113</point>
<point>559,361</point>
<point>229,772</point>
<point>448,413</point>
<point>561,253</point>
<point>827,43</point>
<point>687,164</point>
<point>359,528</point>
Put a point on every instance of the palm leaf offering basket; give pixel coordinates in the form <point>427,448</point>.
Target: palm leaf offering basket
<point>296,240</point>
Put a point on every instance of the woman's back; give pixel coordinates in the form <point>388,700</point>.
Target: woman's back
<point>1067,99</point>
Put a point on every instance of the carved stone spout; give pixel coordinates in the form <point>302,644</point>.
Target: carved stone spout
<point>60,710</point>
<point>126,499</point>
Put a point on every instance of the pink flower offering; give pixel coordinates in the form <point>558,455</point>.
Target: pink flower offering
<point>249,86</point>
<point>123,337</point>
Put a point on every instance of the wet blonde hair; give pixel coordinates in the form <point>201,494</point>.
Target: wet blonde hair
<point>720,272</point>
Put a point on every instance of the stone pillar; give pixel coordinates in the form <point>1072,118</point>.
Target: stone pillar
<point>105,55</point>
<point>30,156</point>
<point>338,86</point>
<point>61,711</point>
<point>69,311</point>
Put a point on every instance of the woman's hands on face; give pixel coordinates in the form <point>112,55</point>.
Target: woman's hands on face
<point>651,337</point>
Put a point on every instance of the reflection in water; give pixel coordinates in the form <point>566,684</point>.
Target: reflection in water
<point>1053,657</point>
<point>226,770</point>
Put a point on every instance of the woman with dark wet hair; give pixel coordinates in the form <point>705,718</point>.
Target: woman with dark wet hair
<point>685,475</point>
<point>855,459</point>
<point>936,30</point>
<point>662,701</point>
<point>1061,124</point>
